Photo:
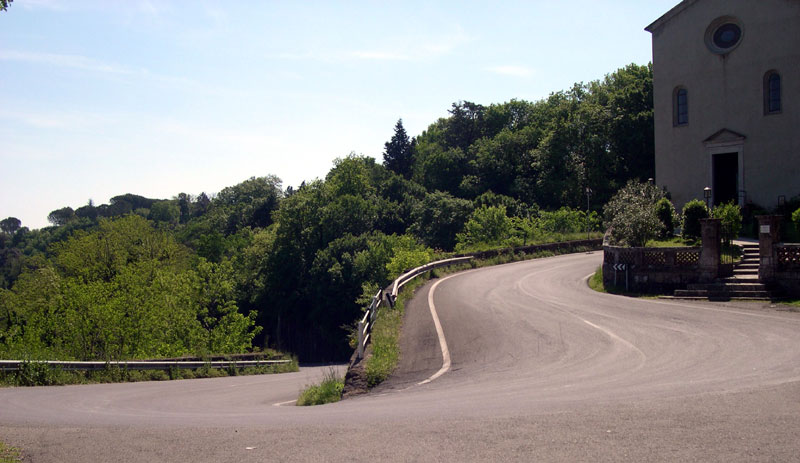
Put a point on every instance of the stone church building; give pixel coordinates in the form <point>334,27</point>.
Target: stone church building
<point>726,90</point>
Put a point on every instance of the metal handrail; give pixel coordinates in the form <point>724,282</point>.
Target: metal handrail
<point>14,365</point>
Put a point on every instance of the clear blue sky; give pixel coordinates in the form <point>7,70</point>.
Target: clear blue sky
<point>106,97</point>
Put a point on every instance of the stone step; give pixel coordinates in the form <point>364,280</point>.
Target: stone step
<point>741,279</point>
<point>745,271</point>
<point>744,265</point>
<point>728,286</point>
<point>723,294</point>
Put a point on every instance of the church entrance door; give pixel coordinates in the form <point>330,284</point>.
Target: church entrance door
<point>725,178</point>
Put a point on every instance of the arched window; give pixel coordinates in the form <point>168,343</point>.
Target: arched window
<point>680,106</point>
<point>772,92</point>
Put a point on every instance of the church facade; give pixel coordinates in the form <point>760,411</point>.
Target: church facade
<point>726,91</point>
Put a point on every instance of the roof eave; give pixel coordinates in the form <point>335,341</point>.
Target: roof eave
<point>669,15</point>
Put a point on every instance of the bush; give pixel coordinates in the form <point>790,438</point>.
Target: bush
<point>796,218</point>
<point>631,214</point>
<point>731,216</point>
<point>668,217</point>
<point>488,225</point>
<point>693,211</point>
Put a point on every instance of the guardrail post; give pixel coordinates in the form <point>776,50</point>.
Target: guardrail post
<point>360,348</point>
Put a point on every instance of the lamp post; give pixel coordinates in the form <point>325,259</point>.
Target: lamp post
<point>707,195</point>
<point>588,195</point>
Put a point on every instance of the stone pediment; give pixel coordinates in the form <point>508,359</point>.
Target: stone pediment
<point>724,137</point>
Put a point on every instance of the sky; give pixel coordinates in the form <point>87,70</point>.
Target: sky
<point>105,97</point>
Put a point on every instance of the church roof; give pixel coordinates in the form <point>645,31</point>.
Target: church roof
<point>666,17</point>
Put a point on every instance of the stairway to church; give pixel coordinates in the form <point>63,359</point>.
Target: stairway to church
<point>743,285</point>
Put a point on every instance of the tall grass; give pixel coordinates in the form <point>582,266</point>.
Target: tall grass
<point>9,454</point>
<point>328,391</point>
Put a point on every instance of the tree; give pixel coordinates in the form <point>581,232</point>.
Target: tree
<point>438,218</point>
<point>10,225</point>
<point>249,203</point>
<point>632,214</point>
<point>731,217</point>
<point>61,216</point>
<point>399,151</point>
<point>4,4</point>
<point>165,211</point>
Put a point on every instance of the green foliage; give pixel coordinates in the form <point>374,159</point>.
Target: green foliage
<point>8,454</point>
<point>487,225</point>
<point>407,254</point>
<point>731,216</point>
<point>668,217</point>
<point>796,218</point>
<point>439,218</point>
<point>632,214</point>
<point>693,211</point>
<point>165,211</point>
<point>598,135</point>
<point>38,374</point>
<point>328,391</point>
<point>123,291</point>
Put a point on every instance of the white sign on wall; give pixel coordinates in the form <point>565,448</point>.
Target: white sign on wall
<point>765,229</point>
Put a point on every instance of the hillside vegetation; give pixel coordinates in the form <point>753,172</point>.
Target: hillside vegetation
<point>262,265</point>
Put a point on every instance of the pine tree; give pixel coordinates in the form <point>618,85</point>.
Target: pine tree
<point>398,152</point>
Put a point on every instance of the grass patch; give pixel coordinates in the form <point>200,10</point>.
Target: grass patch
<point>596,281</point>
<point>386,334</point>
<point>9,454</point>
<point>328,391</point>
<point>41,374</point>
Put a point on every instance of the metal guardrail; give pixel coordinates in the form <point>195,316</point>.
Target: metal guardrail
<point>368,321</point>
<point>14,365</point>
<point>408,276</point>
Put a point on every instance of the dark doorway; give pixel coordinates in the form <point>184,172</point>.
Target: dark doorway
<point>726,178</point>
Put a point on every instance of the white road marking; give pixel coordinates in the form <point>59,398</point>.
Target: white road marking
<point>439,333</point>
<point>281,404</point>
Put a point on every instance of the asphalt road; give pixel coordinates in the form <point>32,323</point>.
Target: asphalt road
<point>542,369</point>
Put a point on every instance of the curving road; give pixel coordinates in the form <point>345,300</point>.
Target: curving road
<point>541,368</point>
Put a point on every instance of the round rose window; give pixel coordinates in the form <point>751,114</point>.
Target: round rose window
<point>724,34</point>
<point>727,36</point>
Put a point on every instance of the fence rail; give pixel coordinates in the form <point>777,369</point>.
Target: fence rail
<point>15,365</point>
